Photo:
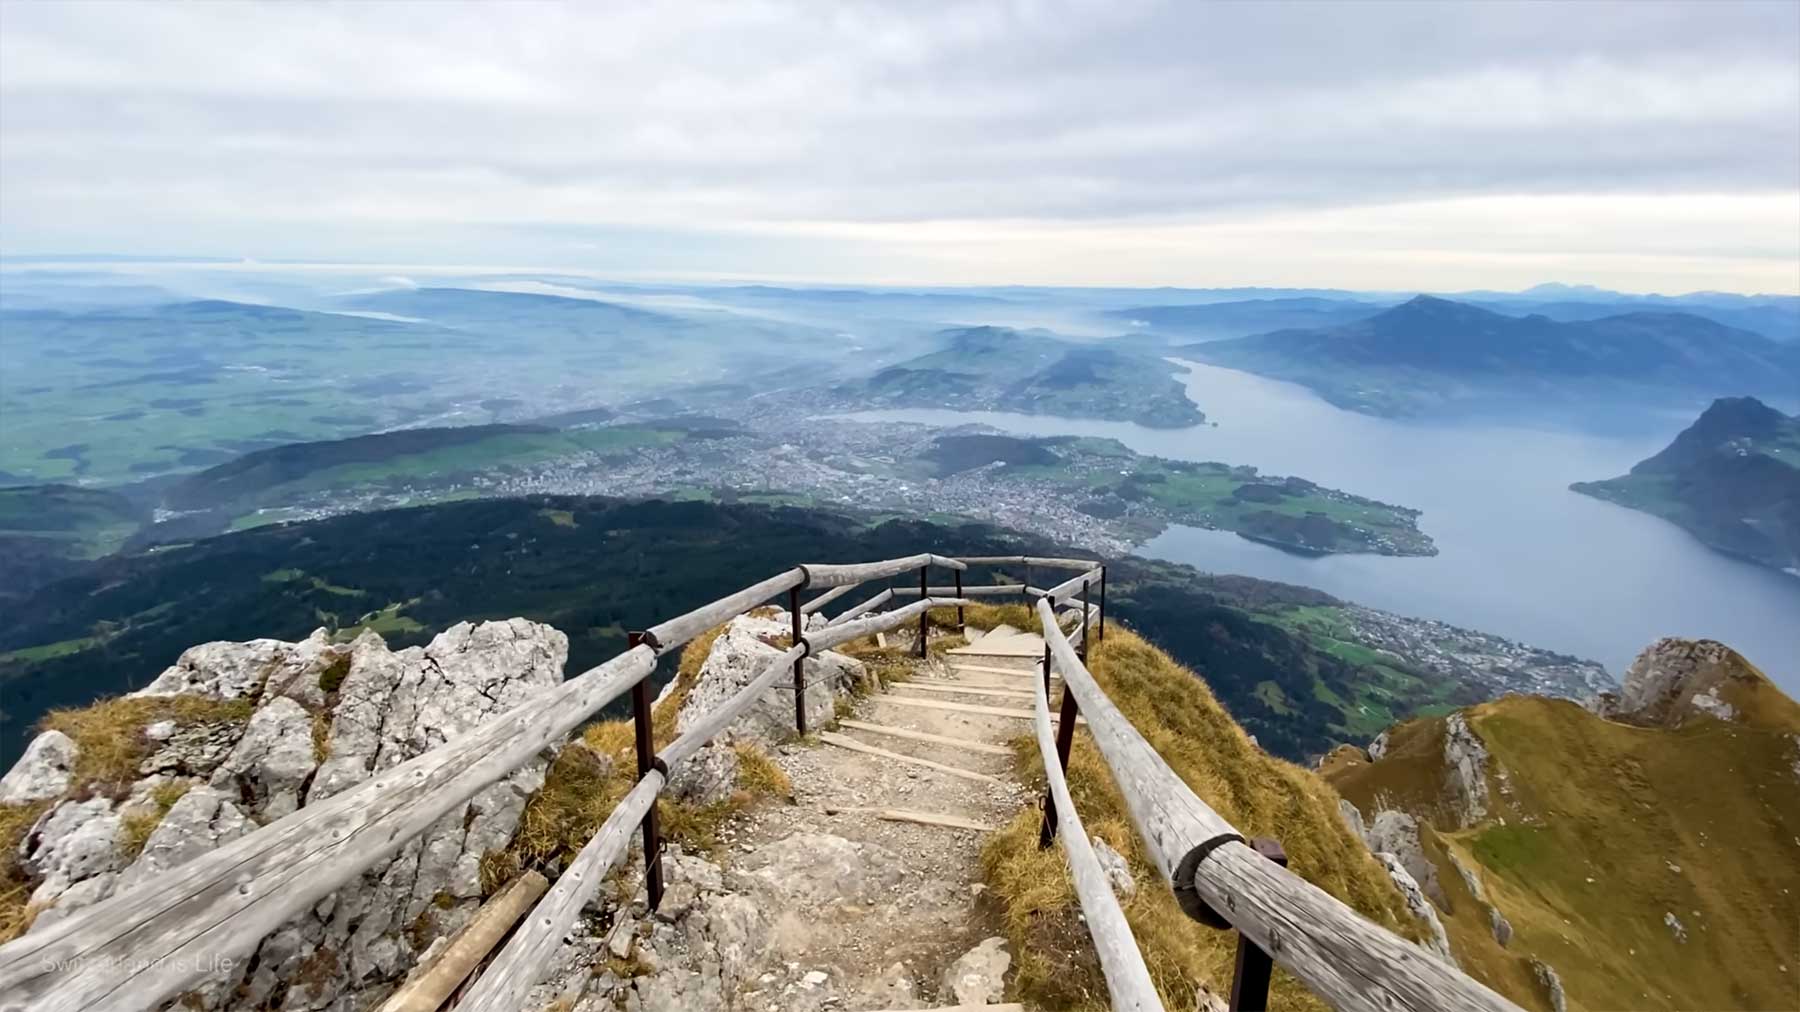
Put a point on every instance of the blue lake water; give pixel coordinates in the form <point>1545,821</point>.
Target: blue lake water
<point>1520,554</point>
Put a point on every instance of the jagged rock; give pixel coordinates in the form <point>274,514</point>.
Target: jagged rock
<point>1502,927</point>
<point>1379,747</point>
<point>1117,869</point>
<point>200,821</point>
<point>1397,833</point>
<point>1437,941</point>
<point>892,988</point>
<point>1353,818</point>
<point>162,730</point>
<point>259,669</point>
<point>43,772</point>
<point>978,977</point>
<point>738,655</point>
<point>707,777</point>
<point>1673,680</point>
<point>808,869</point>
<point>1675,926</point>
<point>271,762</point>
<point>73,841</point>
<point>1467,760</point>
<point>1471,880</point>
<point>701,956</point>
<point>1552,984</point>
<point>195,750</point>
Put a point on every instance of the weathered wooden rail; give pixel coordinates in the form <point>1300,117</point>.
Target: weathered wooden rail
<point>133,952</point>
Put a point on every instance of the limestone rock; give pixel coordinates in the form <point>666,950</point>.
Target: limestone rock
<point>272,761</point>
<point>1502,927</point>
<point>1353,818</point>
<point>1437,940</point>
<point>1117,869</point>
<point>43,772</point>
<point>978,977</point>
<point>1675,926</point>
<point>1467,759</point>
<point>743,651</point>
<point>806,870</point>
<point>253,670</point>
<point>1552,985</point>
<point>707,777</point>
<point>200,821</point>
<point>195,750</point>
<point>1674,680</point>
<point>73,841</point>
<point>1378,747</point>
<point>1470,878</point>
<point>1397,833</point>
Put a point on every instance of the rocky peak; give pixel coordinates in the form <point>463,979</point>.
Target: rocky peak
<point>1676,679</point>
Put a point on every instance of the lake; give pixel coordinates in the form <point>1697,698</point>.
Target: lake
<point>1519,554</point>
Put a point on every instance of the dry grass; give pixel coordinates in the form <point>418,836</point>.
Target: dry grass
<point>16,913</point>
<point>590,776</point>
<point>139,825</point>
<point>1261,795</point>
<point>110,733</point>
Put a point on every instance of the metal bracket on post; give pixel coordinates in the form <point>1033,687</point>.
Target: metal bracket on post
<point>1102,604</point>
<point>925,615</point>
<point>799,665</point>
<point>1250,980</point>
<point>647,760</point>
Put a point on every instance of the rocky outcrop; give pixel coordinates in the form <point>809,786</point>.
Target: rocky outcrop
<point>1552,984</point>
<point>978,977</point>
<point>1397,833</point>
<point>42,773</point>
<point>1437,941</point>
<point>365,709</point>
<point>808,869</point>
<point>740,653</point>
<point>1674,681</point>
<point>1467,760</point>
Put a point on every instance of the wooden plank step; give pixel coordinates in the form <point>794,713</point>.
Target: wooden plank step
<point>847,742</point>
<point>1034,671</point>
<point>991,711</point>
<point>953,689</point>
<point>1011,684</point>
<point>922,818</point>
<point>931,739</point>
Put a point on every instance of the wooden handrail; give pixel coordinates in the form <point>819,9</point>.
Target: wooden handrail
<point>979,590</point>
<point>826,598</point>
<point>1027,560</point>
<point>503,985</point>
<point>1127,979</point>
<point>1072,585</point>
<point>872,603</point>
<point>134,950</point>
<point>1349,961</point>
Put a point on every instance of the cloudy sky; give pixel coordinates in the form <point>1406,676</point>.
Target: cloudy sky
<point>1649,146</point>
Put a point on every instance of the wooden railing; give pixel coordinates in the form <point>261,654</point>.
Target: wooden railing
<point>134,951</point>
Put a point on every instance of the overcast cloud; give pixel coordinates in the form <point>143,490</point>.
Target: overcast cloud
<point>1651,146</point>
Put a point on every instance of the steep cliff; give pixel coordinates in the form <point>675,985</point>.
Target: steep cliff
<point>1640,854</point>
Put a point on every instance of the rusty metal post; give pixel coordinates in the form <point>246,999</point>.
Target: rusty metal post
<point>959,608</point>
<point>1065,738</point>
<point>799,664</point>
<point>646,761</point>
<point>1250,981</point>
<point>1102,604</point>
<point>925,615</point>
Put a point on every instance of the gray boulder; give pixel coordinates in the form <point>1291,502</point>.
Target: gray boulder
<point>43,772</point>
<point>1551,982</point>
<point>978,977</point>
<point>1437,941</point>
<point>73,841</point>
<point>1397,833</point>
<point>271,762</point>
<point>200,821</point>
<point>707,777</point>
<point>743,651</point>
<point>807,870</point>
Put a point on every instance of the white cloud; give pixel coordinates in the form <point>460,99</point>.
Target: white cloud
<point>920,142</point>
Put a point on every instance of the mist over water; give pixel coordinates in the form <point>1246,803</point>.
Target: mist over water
<point>1520,555</point>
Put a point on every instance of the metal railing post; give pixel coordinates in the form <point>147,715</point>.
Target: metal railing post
<point>1084,618</point>
<point>1102,604</point>
<point>959,608</point>
<point>1250,980</point>
<point>646,761</point>
<point>799,665</point>
<point>924,616</point>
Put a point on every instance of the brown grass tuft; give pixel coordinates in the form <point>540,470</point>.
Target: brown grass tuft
<point>110,733</point>
<point>16,913</point>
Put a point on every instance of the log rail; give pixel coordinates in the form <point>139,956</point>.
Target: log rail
<point>136,950</point>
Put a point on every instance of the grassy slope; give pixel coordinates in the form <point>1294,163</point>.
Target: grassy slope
<point>1261,795</point>
<point>1578,853</point>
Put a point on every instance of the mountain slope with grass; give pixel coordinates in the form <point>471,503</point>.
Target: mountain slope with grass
<point>1732,479</point>
<point>1641,856</point>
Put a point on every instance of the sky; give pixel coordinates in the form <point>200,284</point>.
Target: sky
<point>1643,147</point>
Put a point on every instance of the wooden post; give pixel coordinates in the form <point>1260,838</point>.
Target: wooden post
<point>799,665</point>
<point>1103,604</point>
<point>1250,981</point>
<point>1065,739</point>
<point>959,593</point>
<point>646,761</point>
<point>925,616</point>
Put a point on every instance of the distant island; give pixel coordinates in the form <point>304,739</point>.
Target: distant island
<point>1732,479</point>
<point>1002,369</point>
<point>1431,354</point>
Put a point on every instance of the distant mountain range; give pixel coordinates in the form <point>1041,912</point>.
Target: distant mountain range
<point>1002,369</point>
<point>1429,354</point>
<point>1732,479</point>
